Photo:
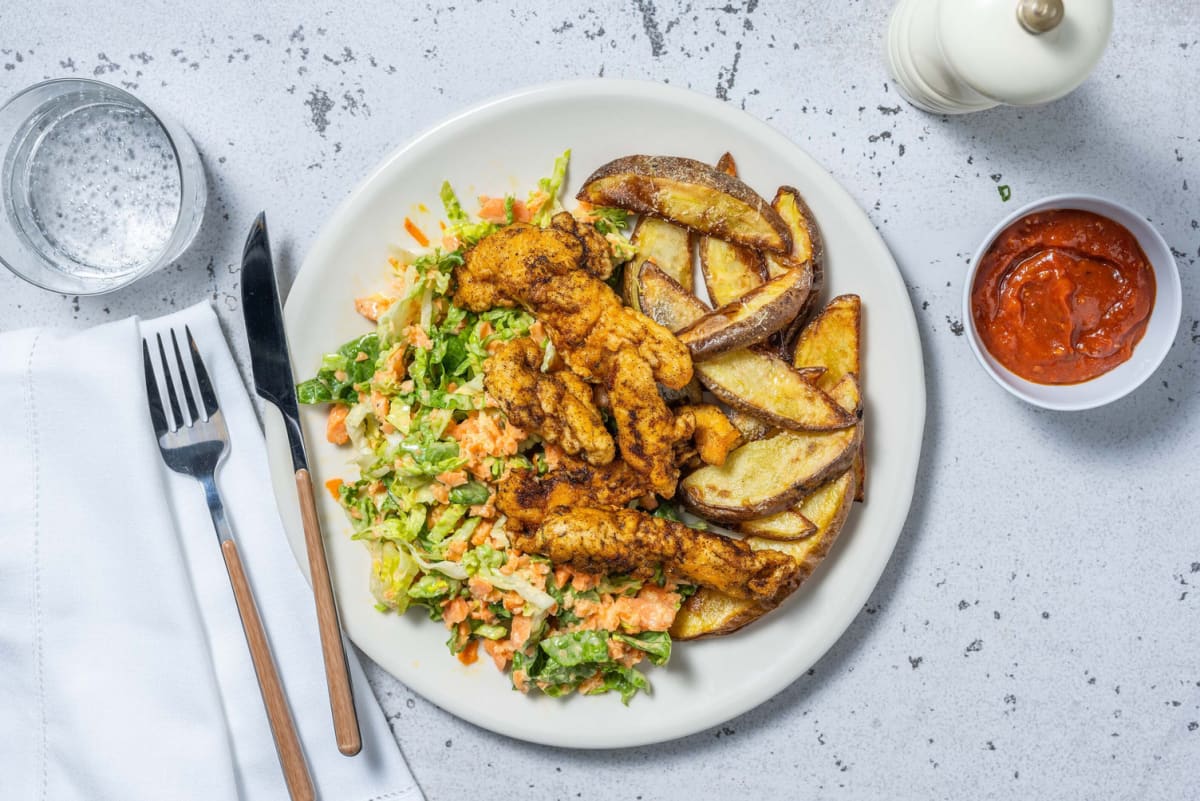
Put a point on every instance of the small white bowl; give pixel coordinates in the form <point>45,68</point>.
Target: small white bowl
<point>1149,352</point>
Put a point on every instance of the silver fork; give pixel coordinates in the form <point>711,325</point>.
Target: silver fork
<point>195,445</point>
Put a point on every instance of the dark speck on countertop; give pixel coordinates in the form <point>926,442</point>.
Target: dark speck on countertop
<point>319,105</point>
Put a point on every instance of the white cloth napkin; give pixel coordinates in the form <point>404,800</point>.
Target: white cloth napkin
<point>124,673</point>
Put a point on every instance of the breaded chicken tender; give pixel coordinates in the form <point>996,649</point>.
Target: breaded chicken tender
<point>555,273</point>
<point>557,405</point>
<point>628,541</point>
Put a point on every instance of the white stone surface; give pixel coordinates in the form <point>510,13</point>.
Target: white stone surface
<point>1037,633</point>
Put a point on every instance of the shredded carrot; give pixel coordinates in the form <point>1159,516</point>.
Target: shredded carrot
<point>453,478</point>
<point>538,332</point>
<point>522,627</point>
<point>415,335</point>
<point>372,306</point>
<point>335,426</point>
<point>536,201</point>
<point>334,485</point>
<point>455,611</point>
<point>470,654</point>
<point>554,455</point>
<point>456,550</point>
<point>416,233</point>
<point>495,210</point>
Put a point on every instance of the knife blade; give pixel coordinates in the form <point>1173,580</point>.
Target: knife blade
<point>271,363</point>
<point>270,358</point>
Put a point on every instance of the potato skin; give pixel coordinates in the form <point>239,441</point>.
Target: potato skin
<point>751,318</point>
<point>689,193</point>
<point>786,525</point>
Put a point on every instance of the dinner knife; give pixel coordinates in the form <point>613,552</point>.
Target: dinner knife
<point>273,380</point>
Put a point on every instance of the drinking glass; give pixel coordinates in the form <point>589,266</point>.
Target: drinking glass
<point>97,189</point>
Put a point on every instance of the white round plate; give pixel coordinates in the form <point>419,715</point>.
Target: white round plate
<point>504,146</point>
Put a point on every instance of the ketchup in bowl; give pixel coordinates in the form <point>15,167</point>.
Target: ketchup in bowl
<point>1062,296</point>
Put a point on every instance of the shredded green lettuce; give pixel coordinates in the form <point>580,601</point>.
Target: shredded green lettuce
<point>552,187</point>
<point>343,373</point>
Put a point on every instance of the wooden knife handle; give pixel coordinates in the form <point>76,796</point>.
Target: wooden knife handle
<point>291,755</point>
<point>337,675</point>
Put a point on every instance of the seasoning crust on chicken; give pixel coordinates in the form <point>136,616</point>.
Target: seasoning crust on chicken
<point>647,430</point>
<point>525,497</point>
<point>555,273</point>
<point>629,541</point>
<point>557,405</point>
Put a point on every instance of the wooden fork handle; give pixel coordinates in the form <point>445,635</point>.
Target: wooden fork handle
<point>337,674</point>
<point>291,755</point>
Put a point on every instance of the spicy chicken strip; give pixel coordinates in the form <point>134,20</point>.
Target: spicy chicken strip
<point>629,541</point>
<point>558,406</point>
<point>550,272</point>
<point>525,497</point>
<point>646,429</point>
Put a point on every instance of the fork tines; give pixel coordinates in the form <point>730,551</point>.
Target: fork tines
<point>177,371</point>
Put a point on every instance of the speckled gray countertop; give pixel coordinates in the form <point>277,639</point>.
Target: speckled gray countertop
<point>1037,633</point>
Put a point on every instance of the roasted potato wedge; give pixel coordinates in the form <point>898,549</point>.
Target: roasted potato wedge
<point>692,194</point>
<point>748,379</point>
<point>789,524</point>
<point>772,390</point>
<point>831,341</point>
<point>834,340</point>
<point>665,301</point>
<point>807,245</point>
<point>751,318</point>
<point>767,476</point>
<point>729,271</point>
<point>667,245</point>
<point>709,613</point>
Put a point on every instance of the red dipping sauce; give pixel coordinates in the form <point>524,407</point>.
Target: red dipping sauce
<point>1063,296</point>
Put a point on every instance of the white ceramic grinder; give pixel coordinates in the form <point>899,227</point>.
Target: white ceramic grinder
<point>959,56</point>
